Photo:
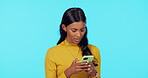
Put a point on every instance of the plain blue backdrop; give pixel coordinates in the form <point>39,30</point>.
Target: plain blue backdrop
<point>119,28</point>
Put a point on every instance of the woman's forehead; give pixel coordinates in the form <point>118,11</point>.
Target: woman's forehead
<point>77,25</point>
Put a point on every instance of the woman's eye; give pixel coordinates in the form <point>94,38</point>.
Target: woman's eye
<point>73,30</point>
<point>82,30</point>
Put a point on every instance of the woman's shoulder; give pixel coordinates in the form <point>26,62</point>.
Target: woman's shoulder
<point>94,49</point>
<point>55,49</point>
<point>90,46</point>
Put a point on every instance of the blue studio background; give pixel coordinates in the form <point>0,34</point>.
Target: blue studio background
<point>119,28</point>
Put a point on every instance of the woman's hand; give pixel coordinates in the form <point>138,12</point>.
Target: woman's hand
<point>91,70</point>
<point>75,68</point>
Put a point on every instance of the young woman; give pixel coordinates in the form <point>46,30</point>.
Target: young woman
<point>62,61</point>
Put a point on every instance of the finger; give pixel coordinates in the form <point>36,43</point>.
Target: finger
<point>75,61</point>
<point>84,64</point>
<point>91,67</point>
<point>81,64</point>
<point>79,70</point>
<point>81,67</point>
<point>89,71</point>
<point>90,63</point>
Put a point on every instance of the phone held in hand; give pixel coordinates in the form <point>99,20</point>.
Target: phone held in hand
<point>87,58</point>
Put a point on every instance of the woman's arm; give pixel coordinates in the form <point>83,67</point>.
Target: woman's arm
<point>50,68</point>
<point>96,53</point>
<point>98,58</point>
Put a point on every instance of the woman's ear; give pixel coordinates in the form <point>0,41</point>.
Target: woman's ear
<point>64,27</point>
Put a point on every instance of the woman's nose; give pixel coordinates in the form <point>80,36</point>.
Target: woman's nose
<point>78,34</point>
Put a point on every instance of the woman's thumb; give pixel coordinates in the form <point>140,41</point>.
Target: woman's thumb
<point>76,60</point>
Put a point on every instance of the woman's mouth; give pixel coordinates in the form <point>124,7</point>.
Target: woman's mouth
<point>77,40</point>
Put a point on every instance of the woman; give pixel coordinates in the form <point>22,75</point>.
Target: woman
<point>62,61</point>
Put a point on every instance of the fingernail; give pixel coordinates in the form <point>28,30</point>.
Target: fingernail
<point>89,65</point>
<point>88,68</point>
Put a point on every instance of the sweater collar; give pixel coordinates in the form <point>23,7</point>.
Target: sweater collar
<point>65,42</point>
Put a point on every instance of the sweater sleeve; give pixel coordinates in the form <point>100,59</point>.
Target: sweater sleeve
<point>98,58</point>
<point>51,68</point>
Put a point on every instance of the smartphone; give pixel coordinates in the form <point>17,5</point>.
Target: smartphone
<point>87,58</point>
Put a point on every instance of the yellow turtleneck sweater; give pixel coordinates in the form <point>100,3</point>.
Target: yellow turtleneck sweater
<point>60,57</point>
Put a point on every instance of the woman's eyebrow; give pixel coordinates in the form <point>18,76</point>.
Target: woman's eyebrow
<point>74,28</point>
<point>81,28</point>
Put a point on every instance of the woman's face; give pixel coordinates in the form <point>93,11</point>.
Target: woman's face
<point>75,31</point>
